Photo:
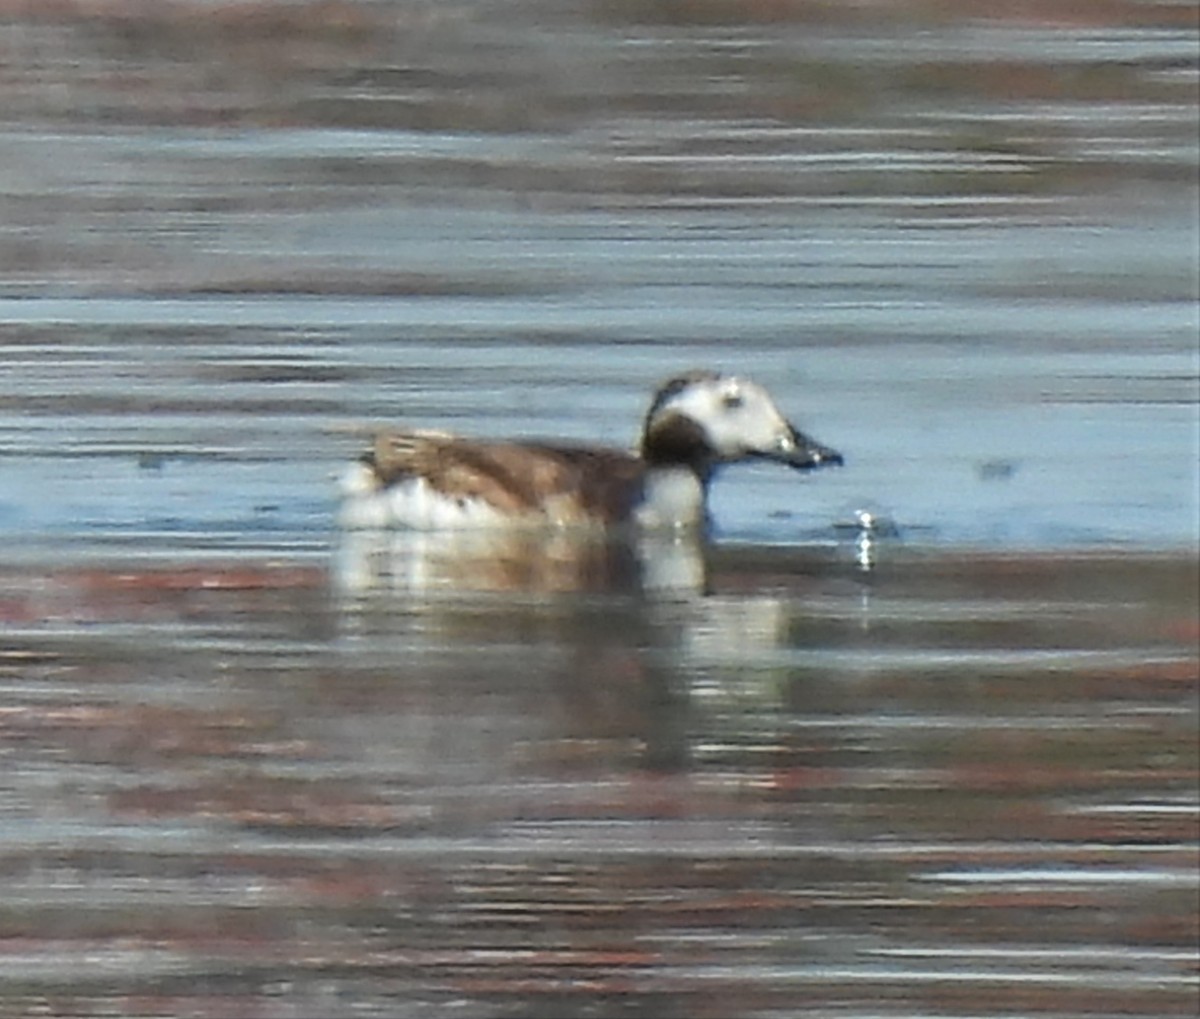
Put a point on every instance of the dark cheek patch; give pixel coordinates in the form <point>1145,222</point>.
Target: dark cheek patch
<point>677,440</point>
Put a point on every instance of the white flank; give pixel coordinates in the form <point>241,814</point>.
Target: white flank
<point>412,503</point>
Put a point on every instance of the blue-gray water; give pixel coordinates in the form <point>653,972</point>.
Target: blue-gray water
<point>956,776</point>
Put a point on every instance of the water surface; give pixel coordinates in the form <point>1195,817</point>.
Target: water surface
<point>257,768</point>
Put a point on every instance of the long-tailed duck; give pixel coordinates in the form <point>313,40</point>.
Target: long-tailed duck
<point>696,422</point>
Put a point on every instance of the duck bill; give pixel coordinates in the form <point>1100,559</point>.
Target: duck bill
<point>804,453</point>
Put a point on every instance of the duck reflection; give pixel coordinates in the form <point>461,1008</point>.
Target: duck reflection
<point>536,652</point>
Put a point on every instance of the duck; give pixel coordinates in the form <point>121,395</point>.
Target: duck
<point>697,422</point>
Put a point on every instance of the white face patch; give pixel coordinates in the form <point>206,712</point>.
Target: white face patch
<point>738,417</point>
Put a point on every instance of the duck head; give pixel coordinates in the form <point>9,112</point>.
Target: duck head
<point>704,419</point>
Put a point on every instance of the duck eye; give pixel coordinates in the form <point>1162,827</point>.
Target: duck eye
<point>731,401</point>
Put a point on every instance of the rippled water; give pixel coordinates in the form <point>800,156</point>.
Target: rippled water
<point>958,785</point>
<point>256,768</point>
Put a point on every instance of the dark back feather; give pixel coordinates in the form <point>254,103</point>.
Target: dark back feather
<point>566,482</point>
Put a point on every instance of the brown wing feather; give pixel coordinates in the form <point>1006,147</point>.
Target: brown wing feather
<point>566,483</point>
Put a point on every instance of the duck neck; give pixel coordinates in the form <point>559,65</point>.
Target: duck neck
<point>678,443</point>
<point>673,498</point>
<point>679,466</point>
